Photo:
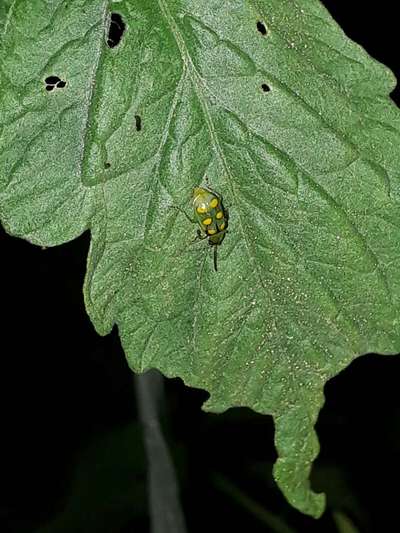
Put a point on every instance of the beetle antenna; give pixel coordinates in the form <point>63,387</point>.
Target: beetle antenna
<point>215,258</point>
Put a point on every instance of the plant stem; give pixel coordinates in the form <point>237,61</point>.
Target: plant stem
<point>166,515</point>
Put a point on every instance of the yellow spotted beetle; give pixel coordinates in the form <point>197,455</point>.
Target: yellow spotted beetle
<point>211,216</point>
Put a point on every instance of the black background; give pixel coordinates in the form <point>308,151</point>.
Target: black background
<point>62,384</point>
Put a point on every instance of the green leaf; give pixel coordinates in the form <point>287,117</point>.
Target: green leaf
<point>308,274</point>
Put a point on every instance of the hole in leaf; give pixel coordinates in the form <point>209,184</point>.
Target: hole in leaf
<point>54,81</point>
<point>107,165</point>
<point>116,30</point>
<point>138,122</point>
<point>261,28</point>
<point>265,87</point>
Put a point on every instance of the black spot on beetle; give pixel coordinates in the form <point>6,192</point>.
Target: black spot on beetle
<point>261,28</point>
<point>265,87</point>
<point>116,30</point>
<point>53,82</point>
<point>107,165</point>
<point>138,122</point>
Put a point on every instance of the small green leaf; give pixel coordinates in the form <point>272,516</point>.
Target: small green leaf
<point>344,524</point>
<point>292,124</point>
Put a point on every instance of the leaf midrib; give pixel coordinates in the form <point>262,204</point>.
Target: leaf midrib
<point>197,81</point>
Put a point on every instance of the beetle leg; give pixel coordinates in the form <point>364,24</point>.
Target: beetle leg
<point>184,212</point>
<point>199,237</point>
